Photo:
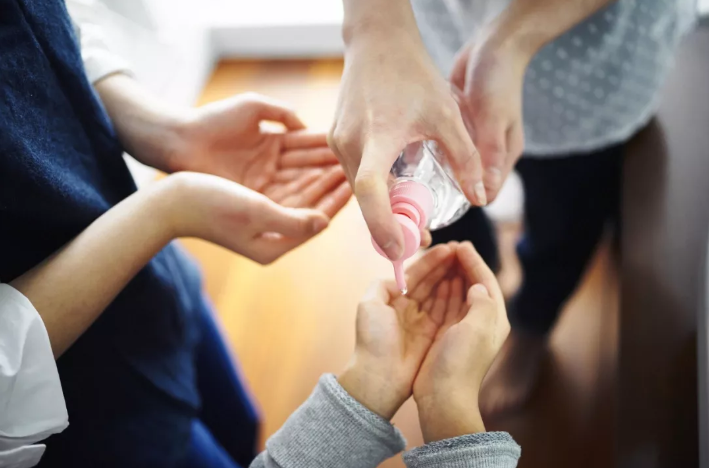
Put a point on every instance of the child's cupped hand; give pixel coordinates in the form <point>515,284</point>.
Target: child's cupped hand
<point>437,340</point>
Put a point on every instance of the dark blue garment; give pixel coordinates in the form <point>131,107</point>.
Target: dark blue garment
<point>568,201</point>
<point>228,420</point>
<point>225,435</point>
<point>130,380</point>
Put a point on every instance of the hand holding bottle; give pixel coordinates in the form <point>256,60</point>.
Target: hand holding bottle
<point>392,95</point>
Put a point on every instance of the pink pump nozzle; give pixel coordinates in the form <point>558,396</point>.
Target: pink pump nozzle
<point>411,203</point>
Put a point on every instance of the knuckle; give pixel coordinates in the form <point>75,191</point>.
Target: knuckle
<point>365,183</point>
<point>261,204</point>
<point>448,111</point>
<point>491,143</point>
<point>341,137</point>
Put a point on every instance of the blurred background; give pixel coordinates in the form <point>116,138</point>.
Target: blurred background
<point>292,321</point>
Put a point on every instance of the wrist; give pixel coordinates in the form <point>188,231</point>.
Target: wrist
<point>448,415</point>
<point>378,23</point>
<point>519,32</point>
<point>376,391</point>
<point>177,134</point>
<point>148,128</point>
<point>172,204</point>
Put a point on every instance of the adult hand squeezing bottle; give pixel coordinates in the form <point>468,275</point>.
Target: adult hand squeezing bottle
<point>424,195</point>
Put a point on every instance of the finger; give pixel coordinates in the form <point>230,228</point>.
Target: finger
<point>463,156</point>
<point>418,270</point>
<point>333,202</point>
<point>372,192</point>
<point>476,291</point>
<point>309,195</point>
<point>346,146</point>
<point>278,111</point>
<point>283,191</point>
<point>438,309</point>
<point>515,147</point>
<point>427,285</point>
<point>460,64</point>
<point>481,307</point>
<point>476,271</point>
<point>455,301</point>
<point>295,223</point>
<point>302,139</point>
<point>491,141</point>
<point>426,238</point>
<point>495,179</point>
<point>262,169</point>
<point>291,174</point>
<point>269,246</point>
<point>308,157</point>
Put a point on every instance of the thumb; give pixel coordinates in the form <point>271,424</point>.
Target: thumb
<point>476,292</point>
<point>372,193</point>
<point>295,223</point>
<point>481,306</point>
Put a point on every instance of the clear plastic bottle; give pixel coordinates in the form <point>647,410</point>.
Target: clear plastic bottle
<point>425,163</point>
<point>424,194</point>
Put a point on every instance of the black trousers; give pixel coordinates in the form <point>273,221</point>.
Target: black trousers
<point>568,202</point>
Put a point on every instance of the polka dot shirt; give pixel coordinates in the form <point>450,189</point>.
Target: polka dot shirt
<point>595,85</point>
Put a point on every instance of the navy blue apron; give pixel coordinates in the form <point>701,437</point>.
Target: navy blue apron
<point>129,381</point>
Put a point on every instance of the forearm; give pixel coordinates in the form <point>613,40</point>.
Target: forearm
<point>71,288</point>
<point>147,127</point>
<point>331,429</point>
<point>530,24</point>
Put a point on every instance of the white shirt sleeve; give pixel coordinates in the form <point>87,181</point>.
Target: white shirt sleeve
<point>31,400</point>
<point>98,59</point>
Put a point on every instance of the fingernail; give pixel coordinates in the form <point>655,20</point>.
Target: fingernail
<point>493,177</point>
<point>393,250</point>
<point>480,194</point>
<point>480,287</point>
<point>319,224</point>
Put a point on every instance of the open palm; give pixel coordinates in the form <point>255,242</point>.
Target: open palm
<point>294,168</point>
<point>395,331</point>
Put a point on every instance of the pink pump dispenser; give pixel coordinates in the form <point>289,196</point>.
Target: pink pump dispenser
<point>412,204</point>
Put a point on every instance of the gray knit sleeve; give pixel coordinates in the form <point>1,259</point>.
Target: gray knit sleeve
<point>483,450</point>
<point>331,429</point>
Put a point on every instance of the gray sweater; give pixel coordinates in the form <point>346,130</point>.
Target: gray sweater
<point>331,429</point>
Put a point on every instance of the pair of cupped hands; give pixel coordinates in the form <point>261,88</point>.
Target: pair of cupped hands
<point>261,194</point>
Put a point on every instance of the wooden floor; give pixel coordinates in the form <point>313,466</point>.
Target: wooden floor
<point>294,320</point>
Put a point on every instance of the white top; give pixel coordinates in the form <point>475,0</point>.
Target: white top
<point>32,404</point>
<point>98,60</point>
<point>31,400</point>
<point>595,85</point>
